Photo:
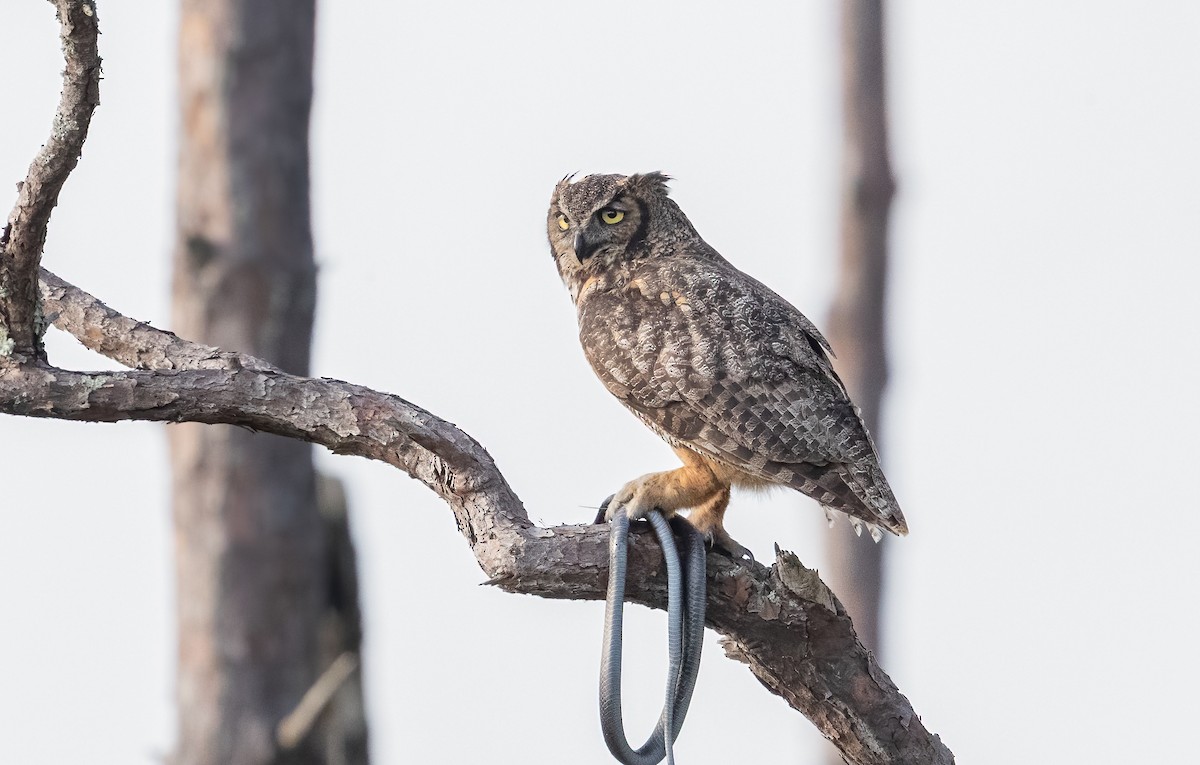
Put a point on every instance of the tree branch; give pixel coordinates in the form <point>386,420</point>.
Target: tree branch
<point>298,723</point>
<point>782,621</point>
<point>21,242</point>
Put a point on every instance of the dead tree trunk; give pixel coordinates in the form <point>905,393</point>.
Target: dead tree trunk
<point>252,562</point>
<point>856,319</point>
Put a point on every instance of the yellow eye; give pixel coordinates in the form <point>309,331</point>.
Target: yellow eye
<point>562,222</point>
<point>611,216</point>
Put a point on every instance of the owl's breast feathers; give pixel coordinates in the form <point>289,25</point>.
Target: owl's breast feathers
<point>713,360</point>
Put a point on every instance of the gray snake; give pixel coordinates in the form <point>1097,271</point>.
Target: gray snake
<point>685,636</point>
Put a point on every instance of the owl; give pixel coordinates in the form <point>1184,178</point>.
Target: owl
<point>734,378</point>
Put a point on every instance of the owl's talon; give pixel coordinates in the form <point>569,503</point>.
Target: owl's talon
<point>635,499</point>
<point>719,540</point>
<point>602,513</point>
<point>734,550</point>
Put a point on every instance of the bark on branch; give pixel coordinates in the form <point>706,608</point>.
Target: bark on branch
<point>21,242</point>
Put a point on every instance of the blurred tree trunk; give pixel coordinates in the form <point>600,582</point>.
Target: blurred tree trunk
<point>253,564</point>
<point>856,319</point>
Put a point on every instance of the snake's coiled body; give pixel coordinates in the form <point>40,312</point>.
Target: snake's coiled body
<point>685,636</point>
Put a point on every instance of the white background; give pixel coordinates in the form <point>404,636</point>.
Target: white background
<point>1041,421</point>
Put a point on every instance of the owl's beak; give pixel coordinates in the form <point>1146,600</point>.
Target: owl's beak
<point>584,247</point>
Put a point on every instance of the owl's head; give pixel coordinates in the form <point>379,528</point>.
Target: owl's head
<point>600,221</point>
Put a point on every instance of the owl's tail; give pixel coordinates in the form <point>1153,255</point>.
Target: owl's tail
<point>869,502</point>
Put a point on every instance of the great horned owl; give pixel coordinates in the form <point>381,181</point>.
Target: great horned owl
<point>726,371</point>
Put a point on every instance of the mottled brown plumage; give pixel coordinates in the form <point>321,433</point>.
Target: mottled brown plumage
<point>729,373</point>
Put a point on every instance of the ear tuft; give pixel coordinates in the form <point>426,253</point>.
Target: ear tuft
<point>562,186</point>
<point>650,183</point>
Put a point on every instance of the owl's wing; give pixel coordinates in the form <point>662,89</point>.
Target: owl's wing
<point>734,372</point>
<point>801,431</point>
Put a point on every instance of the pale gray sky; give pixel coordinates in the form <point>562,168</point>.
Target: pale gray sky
<point>1042,417</point>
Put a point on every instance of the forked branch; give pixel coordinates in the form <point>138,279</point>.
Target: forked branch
<point>25,233</point>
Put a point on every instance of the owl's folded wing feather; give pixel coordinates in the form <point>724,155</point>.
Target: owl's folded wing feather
<point>749,386</point>
<point>800,432</point>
